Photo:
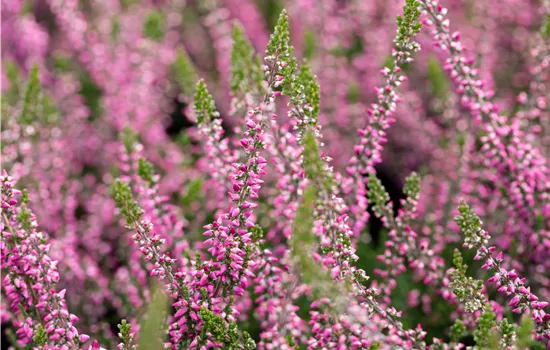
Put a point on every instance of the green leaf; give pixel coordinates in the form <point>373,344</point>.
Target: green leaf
<point>311,91</point>
<point>407,25</point>
<point>30,99</point>
<point>375,346</point>
<point>545,28</point>
<point>439,83</point>
<point>194,190</point>
<point>125,335</point>
<point>525,333</point>
<point>205,108</point>
<point>303,222</point>
<point>152,324</point>
<point>470,224</point>
<point>412,186</point>
<point>185,72</point>
<point>389,62</point>
<point>115,28</point>
<point>507,334</point>
<point>270,9</point>
<point>146,171</point>
<point>279,52</point>
<point>153,27</point>
<point>313,164</point>
<point>222,332</point>
<point>354,93</point>
<point>310,44</point>
<point>122,194</point>
<point>92,94</point>
<point>484,335</point>
<point>40,336</point>
<point>467,289</point>
<point>458,330</point>
<point>12,72</point>
<point>128,138</point>
<point>303,244</point>
<point>378,196</point>
<point>246,74</point>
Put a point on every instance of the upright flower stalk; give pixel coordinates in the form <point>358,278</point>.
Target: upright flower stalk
<point>230,237</point>
<point>331,218</point>
<point>212,285</point>
<point>521,169</point>
<point>166,219</point>
<point>373,136</point>
<point>150,245</point>
<point>338,252</point>
<point>42,319</point>
<point>220,155</point>
<point>275,286</point>
<point>508,282</point>
<point>368,152</point>
<point>471,293</point>
<point>534,104</point>
<point>404,248</point>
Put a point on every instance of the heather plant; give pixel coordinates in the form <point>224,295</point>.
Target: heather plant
<point>275,175</point>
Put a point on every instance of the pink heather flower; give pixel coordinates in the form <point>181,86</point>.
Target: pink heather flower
<point>101,73</point>
<point>30,284</point>
<point>507,281</point>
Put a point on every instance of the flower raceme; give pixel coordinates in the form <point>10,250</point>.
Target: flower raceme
<point>204,210</point>
<point>40,311</point>
<point>508,282</point>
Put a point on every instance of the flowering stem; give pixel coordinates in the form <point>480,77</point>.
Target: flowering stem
<point>24,253</point>
<point>508,282</point>
<point>521,166</point>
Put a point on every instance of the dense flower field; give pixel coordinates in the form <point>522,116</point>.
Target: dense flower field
<point>275,174</point>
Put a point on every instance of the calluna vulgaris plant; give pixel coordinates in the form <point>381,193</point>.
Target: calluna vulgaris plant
<point>175,177</point>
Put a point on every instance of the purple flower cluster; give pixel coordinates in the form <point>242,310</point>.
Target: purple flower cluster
<point>39,310</point>
<point>303,194</point>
